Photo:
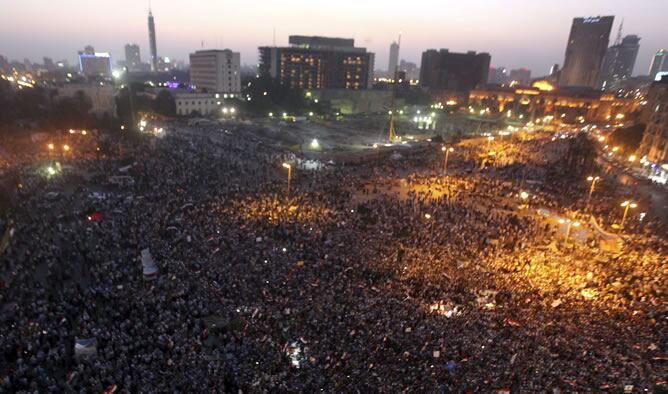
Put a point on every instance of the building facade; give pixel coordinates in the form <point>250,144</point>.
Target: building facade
<point>448,71</point>
<point>498,76</point>
<point>132,57</point>
<point>520,76</point>
<point>570,106</point>
<point>95,64</point>
<point>659,63</point>
<point>318,63</point>
<point>101,95</point>
<point>587,45</point>
<point>394,59</point>
<point>654,145</point>
<point>619,62</point>
<point>216,70</point>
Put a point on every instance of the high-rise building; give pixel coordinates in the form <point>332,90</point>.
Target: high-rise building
<point>498,76</point>
<point>411,69</point>
<point>619,62</point>
<point>94,64</point>
<point>587,45</point>
<point>394,59</point>
<point>659,63</point>
<point>216,70</point>
<point>49,65</point>
<point>318,63</point>
<point>132,57</point>
<point>520,76</point>
<point>654,144</point>
<point>152,43</point>
<point>448,71</point>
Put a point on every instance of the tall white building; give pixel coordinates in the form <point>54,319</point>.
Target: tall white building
<point>216,70</point>
<point>659,63</point>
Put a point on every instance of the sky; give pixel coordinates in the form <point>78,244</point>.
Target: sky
<point>517,33</point>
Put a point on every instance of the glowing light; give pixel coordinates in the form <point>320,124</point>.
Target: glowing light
<point>66,147</point>
<point>315,144</point>
<point>50,146</point>
<point>286,165</point>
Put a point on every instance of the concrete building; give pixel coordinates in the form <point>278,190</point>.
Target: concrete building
<point>215,70</point>
<point>152,42</point>
<point>132,57</point>
<point>542,101</point>
<point>659,63</point>
<point>94,64</point>
<point>448,71</point>
<point>394,59</point>
<point>318,63</point>
<point>587,45</point>
<point>498,76</point>
<point>520,76</point>
<point>203,104</point>
<point>654,145</point>
<point>411,69</point>
<point>350,102</point>
<point>619,62</point>
<point>101,95</point>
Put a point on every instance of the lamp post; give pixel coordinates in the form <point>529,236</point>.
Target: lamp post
<point>626,205</point>
<point>431,228</point>
<point>446,151</point>
<point>593,181</point>
<point>525,197</point>
<point>289,167</point>
<point>568,229</point>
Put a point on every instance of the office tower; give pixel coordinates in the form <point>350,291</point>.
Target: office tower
<point>95,64</point>
<point>152,43</point>
<point>216,70</point>
<point>659,63</point>
<point>619,62</point>
<point>4,64</point>
<point>520,76</point>
<point>318,63</point>
<point>411,69</point>
<point>394,59</point>
<point>587,45</point>
<point>498,76</point>
<point>448,71</point>
<point>49,65</point>
<point>132,57</point>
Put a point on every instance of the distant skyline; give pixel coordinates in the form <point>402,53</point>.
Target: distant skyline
<point>517,33</point>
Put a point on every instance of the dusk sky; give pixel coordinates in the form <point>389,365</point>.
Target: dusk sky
<point>517,33</point>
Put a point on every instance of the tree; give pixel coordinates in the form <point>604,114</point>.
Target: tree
<point>164,104</point>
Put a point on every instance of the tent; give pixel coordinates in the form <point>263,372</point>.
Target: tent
<point>85,347</point>
<point>148,265</point>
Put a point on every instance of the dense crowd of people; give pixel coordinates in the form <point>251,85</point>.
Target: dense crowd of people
<point>387,276</point>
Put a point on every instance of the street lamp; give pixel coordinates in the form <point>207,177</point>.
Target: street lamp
<point>50,146</point>
<point>593,181</point>
<point>446,151</point>
<point>289,167</point>
<point>626,205</point>
<point>66,148</point>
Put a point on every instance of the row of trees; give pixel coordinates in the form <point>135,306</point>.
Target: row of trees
<point>44,107</point>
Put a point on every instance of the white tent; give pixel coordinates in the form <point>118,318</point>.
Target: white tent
<point>148,264</point>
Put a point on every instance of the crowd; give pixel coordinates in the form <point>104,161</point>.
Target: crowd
<point>353,281</point>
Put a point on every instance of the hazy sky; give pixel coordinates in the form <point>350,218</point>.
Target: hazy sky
<point>517,33</point>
